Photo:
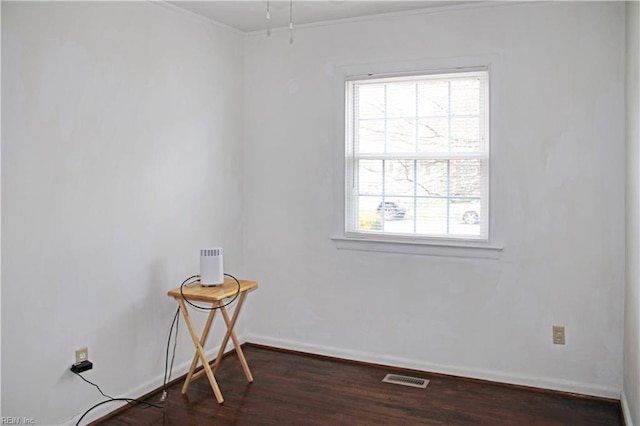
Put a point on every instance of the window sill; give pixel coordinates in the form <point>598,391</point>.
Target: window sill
<point>426,248</point>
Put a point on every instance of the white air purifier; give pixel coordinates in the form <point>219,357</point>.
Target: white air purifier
<point>211,269</point>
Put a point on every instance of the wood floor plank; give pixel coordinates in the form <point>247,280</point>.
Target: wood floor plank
<point>295,389</point>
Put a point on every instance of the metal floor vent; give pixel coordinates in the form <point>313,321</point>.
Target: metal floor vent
<point>414,382</point>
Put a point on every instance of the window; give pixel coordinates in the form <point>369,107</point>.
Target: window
<point>417,157</point>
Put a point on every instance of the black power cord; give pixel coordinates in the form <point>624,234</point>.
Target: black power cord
<point>93,384</point>
<point>174,322</point>
<point>169,368</point>
<point>110,399</point>
<point>128,400</point>
<point>206,308</point>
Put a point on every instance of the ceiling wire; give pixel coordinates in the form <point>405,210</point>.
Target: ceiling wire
<point>268,21</point>
<point>290,21</point>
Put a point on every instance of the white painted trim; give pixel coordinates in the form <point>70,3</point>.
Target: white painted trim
<point>145,388</point>
<point>490,375</point>
<point>626,414</point>
<point>424,11</point>
<point>194,15</point>
<point>425,248</point>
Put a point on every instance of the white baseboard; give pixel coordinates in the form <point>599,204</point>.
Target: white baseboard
<point>626,414</point>
<point>147,387</point>
<point>494,376</point>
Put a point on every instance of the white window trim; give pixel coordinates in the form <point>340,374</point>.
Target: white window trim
<point>450,247</point>
<point>429,248</point>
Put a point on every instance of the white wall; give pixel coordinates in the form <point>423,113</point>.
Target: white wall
<point>631,381</point>
<point>120,121</point>
<point>558,200</point>
<point>121,157</point>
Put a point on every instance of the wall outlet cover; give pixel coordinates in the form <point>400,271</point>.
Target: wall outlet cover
<point>82,354</point>
<point>558,335</point>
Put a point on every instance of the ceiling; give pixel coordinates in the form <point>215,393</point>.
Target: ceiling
<point>250,15</point>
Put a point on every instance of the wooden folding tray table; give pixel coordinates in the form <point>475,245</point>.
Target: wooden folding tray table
<point>215,295</point>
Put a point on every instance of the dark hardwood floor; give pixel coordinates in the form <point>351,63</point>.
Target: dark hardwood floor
<point>296,389</point>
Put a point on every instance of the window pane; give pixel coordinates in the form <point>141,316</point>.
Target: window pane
<point>465,99</point>
<point>466,178</point>
<point>433,98</point>
<point>464,217</point>
<point>401,100</point>
<point>433,135</point>
<point>370,136</point>
<point>370,177</point>
<point>431,216</point>
<point>465,135</point>
<point>401,135</point>
<point>399,176</point>
<point>368,217</point>
<point>432,177</point>
<point>393,213</point>
<point>370,101</point>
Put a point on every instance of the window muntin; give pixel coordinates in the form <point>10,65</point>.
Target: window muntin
<point>417,157</point>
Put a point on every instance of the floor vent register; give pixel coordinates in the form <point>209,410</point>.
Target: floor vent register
<point>414,382</point>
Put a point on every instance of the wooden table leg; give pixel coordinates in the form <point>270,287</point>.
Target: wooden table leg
<point>203,340</point>
<point>200,353</point>
<point>230,333</point>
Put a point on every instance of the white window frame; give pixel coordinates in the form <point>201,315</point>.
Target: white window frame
<point>454,247</point>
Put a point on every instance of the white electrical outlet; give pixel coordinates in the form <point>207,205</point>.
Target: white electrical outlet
<point>558,334</point>
<point>82,354</point>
